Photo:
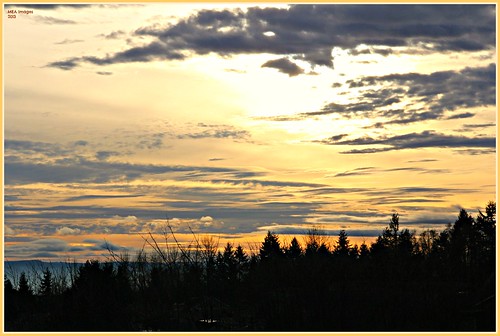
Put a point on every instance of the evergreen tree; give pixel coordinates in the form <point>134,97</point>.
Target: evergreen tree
<point>462,237</point>
<point>343,246</point>
<point>363,251</point>
<point>7,285</point>
<point>294,251</point>
<point>240,255</point>
<point>270,247</point>
<point>354,251</point>
<point>392,233</point>
<point>486,227</point>
<point>24,287</point>
<point>242,262</point>
<point>46,284</point>
<point>406,243</point>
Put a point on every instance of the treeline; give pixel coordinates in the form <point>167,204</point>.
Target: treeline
<point>434,281</point>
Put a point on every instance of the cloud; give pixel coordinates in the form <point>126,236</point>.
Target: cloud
<point>92,197</point>
<point>27,161</point>
<point>285,66</point>
<point>36,147</point>
<point>373,170</point>
<point>425,139</point>
<point>441,91</point>
<point>310,32</point>
<point>398,98</point>
<point>216,131</point>
<point>461,116</point>
<point>472,126</point>
<point>422,161</point>
<point>81,143</point>
<point>102,245</point>
<point>113,35</point>
<point>67,64</point>
<point>104,73</point>
<point>63,231</point>
<point>52,20</point>
<point>50,245</point>
<point>8,231</point>
<point>206,220</point>
<point>68,41</point>
<point>48,6</point>
<point>104,155</point>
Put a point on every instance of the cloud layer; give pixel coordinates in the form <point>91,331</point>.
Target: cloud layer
<point>310,32</point>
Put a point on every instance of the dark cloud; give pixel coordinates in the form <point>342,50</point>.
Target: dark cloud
<point>67,64</point>
<point>476,151</point>
<point>68,41</point>
<point>81,143</point>
<point>43,255</point>
<point>28,161</point>
<point>473,126</point>
<point>84,170</point>
<point>16,239</point>
<point>309,32</point>
<point>374,170</point>
<point>441,91</point>
<point>461,116</point>
<point>92,197</point>
<point>113,35</point>
<point>47,6</point>
<point>267,183</point>
<point>284,65</point>
<point>426,139</point>
<point>104,73</point>
<point>37,147</point>
<point>422,161</point>
<point>104,155</point>
<point>102,245</point>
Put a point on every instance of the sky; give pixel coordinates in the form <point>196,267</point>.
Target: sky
<point>234,119</point>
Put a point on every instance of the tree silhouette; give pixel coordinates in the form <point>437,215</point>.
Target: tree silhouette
<point>24,287</point>
<point>294,251</point>
<point>270,247</point>
<point>46,284</point>
<point>364,251</point>
<point>442,281</point>
<point>343,247</point>
<point>462,241</point>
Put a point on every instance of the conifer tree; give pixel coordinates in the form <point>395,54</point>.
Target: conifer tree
<point>46,284</point>
<point>270,247</point>
<point>24,287</point>
<point>294,250</point>
<point>343,246</point>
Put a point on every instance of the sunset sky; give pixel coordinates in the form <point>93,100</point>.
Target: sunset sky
<point>237,119</point>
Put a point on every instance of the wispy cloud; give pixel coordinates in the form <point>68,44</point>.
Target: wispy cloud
<point>68,41</point>
<point>53,20</point>
<point>374,170</point>
<point>425,139</point>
